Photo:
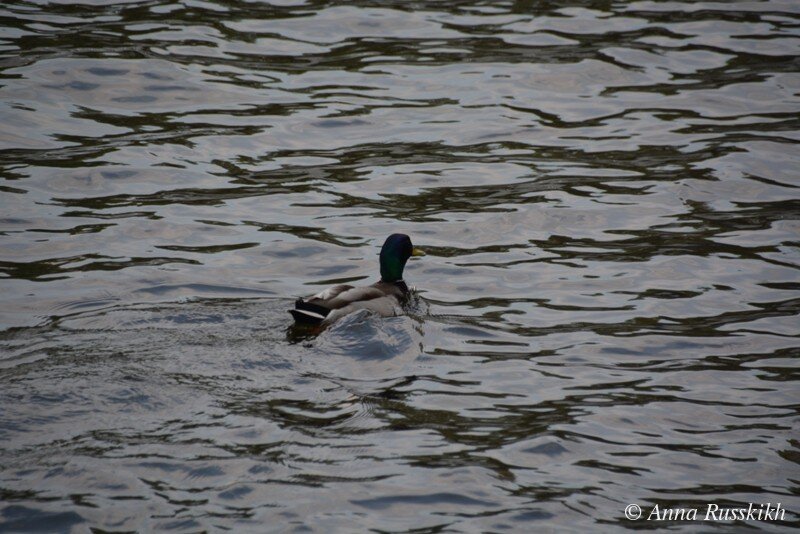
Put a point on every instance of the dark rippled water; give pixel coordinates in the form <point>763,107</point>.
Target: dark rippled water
<point>608,193</point>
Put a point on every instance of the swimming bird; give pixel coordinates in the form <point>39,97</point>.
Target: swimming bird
<point>384,297</point>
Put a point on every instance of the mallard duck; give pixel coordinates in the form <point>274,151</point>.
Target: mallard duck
<point>384,297</point>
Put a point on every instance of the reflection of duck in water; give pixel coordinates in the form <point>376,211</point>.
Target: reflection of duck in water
<point>383,297</point>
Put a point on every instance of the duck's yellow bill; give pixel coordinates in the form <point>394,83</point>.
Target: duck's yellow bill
<point>417,252</point>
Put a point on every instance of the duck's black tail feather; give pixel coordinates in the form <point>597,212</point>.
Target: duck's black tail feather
<point>308,313</point>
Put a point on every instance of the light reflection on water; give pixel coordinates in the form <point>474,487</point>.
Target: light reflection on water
<point>607,312</point>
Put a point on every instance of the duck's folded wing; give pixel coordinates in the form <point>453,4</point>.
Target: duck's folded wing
<point>316,308</point>
<point>329,293</point>
<point>384,305</point>
<point>353,295</point>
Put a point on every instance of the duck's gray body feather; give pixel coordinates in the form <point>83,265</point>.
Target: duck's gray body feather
<point>383,298</point>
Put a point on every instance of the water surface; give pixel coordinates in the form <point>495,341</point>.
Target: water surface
<point>609,198</point>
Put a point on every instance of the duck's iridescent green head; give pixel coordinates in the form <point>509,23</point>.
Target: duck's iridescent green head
<point>395,253</point>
